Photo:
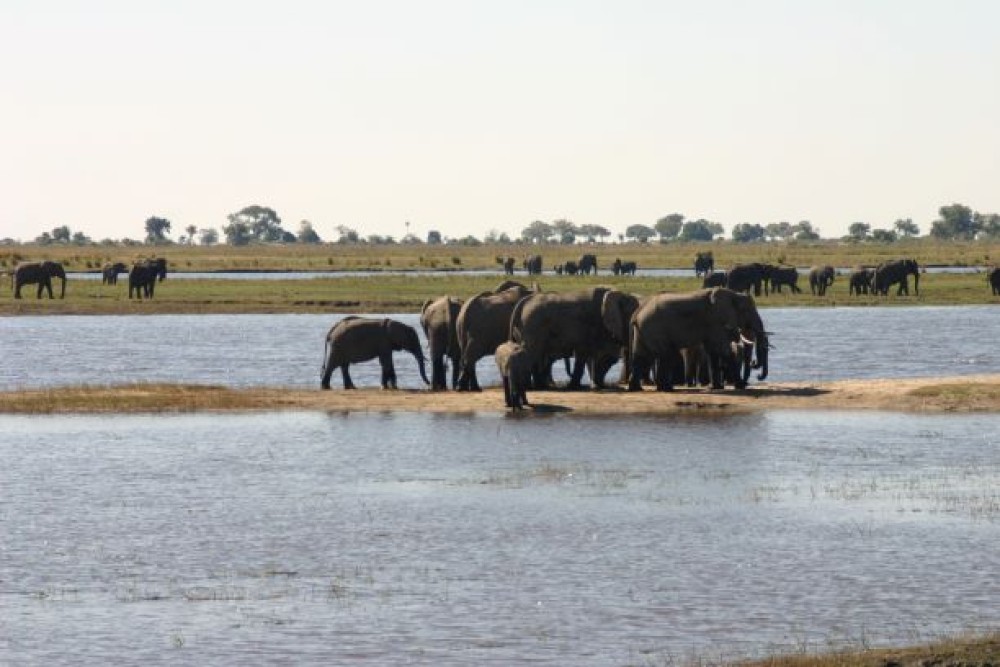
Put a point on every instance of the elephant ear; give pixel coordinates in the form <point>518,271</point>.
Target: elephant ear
<point>615,314</point>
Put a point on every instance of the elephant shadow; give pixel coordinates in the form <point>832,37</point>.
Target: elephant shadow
<point>763,392</point>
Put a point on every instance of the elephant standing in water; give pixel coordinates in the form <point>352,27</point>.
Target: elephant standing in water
<point>40,273</point>
<point>860,280</point>
<point>143,276</point>
<point>897,272</point>
<point>109,273</point>
<point>483,323</point>
<point>820,278</point>
<point>438,318</point>
<point>993,277</point>
<point>356,339</point>
<point>717,319</point>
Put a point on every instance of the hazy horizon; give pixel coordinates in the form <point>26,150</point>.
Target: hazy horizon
<point>465,117</point>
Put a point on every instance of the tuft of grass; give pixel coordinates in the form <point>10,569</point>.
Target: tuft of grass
<point>131,398</point>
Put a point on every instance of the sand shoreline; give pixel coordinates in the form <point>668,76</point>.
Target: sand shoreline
<point>976,393</point>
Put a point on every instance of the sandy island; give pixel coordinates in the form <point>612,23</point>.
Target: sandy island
<point>976,393</point>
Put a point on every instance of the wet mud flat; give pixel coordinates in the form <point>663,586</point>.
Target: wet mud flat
<point>976,393</point>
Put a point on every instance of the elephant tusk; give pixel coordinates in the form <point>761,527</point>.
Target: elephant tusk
<point>746,341</point>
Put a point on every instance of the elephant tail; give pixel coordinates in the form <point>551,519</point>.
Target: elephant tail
<point>516,324</point>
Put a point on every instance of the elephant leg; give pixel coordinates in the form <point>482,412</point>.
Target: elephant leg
<point>347,377</point>
<point>664,381</point>
<point>456,367</point>
<point>576,379</point>
<point>640,367</point>
<point>473,378</point>
<point>438,373</point>
<point>508,399</point>
<point>388,372</point>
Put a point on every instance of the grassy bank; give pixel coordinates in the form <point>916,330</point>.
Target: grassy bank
<point>957,652</point>
<point>329,257</point>
<point>403,293</point>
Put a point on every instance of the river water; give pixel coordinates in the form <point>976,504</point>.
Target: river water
<point>811,344</point>
<point>310,538</point>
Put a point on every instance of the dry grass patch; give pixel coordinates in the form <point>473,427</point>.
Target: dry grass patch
<point>132,398</point>
<point>959,395</point>
<point>958,652</point>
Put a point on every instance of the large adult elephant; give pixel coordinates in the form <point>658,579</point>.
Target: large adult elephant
<point>143,275</point>
<point>556,326</point>
<point>993,278</point>
<point>784,276</point>
<point>896,272</point>
<point>438,318</point>
<point>483,323</point>
<point>356,339</point>
<point>715,279</point>
<point>744,277</point>
<point>533,265</point>
<point>109,273</point>
<point>714,319</point>
<point>821,278</point>
<point>860,280</point>
<point>587,263</point>
<point>40,273</point>
<point>508,266</point>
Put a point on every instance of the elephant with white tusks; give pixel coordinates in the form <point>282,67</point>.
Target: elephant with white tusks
<point>716,319</point>
<point>356,339</point>
<point>40,273</point>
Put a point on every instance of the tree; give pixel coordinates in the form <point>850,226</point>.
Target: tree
<point>906,228</point>
<point>669,226</point>
<point>262,223</point>
<point>537,232</point>
<point>956,222</point>
<point>79,238</point>
<point>409,239</point>
<point>208,236</point>
<point>307,234</point>
<point>746,232</point>
<point>61,234</point>
<point>565,231</point>
<point>156,230</point>
<point>191,231</point>
<point>593,232</point>
<point>779,230</point>
<point>700,230</point>
<point>804,231</point>
<point>989,224</point>
<point>883,235</point>
<point>496,236</point>
<point>237,233</point>
<point>433,237</point>
<point>641,233</point>
<point>347,235</point>
<point>44,238</point>
<point>858,231</point>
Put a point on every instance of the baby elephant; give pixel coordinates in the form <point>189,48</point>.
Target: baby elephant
<point>512,362</point>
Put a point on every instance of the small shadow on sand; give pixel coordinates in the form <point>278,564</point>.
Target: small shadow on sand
<point>782,391</point>
<point>548,408</point>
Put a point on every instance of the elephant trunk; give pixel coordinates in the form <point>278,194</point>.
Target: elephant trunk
<point>62,292</point>
<point>327,367</point>
<point>418,354</point>
<point>916,282</point>
<point>762,350</point>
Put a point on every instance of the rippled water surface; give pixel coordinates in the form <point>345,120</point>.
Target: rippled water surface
<point>308,538</point>
<point>812,344</point>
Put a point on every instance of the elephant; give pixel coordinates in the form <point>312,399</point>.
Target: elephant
<point>704,264</point>
<point>483,323</point>
<point>143,276</point>
<point>587,263</point>
<point>896,272</point>
<point>714,318</point>
<point>508,266</point>
<point>993,277</point>
<point>558,268</point>
<point>515,370</point>
<point>820,278</point>
<point>109,273</point>
<point>556,326</point>
<point>438,318</point>
<point>570,268</point>
<point>40,273</point>
<point>533,265</point>
<point>860,280</point>
<point>623,268</point>
<point>356,339</point>
<point>784,275</point>
<point>743,277</point>
<point>715,279</point>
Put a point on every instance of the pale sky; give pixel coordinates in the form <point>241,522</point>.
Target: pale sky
<point>468,116</point>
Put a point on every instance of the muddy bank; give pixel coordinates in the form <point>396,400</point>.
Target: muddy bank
<point>959,394</point>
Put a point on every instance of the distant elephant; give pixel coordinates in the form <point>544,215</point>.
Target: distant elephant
<point>587,263</point>
<point>896,272</point>
<point>820,278</point>
<point>570,268</point>
<point>508,266</point>
<point>784,275</point>
<point>438,319</point>
<point>483,323</point>
<point>143,275</point>
<point>704,264</point>
<point>993,277</point>
<point>715,279</point>
<point>40,273</point>
<point>515,371</point>
<point>558,268</point>
<point>623,268</point>
<point>744,277</point>
<point>356,339</point>
<point>109,273</point>
<point>715,318</point>
<point>861,280</point>
<point>555,326</point>
<point>533,265</point>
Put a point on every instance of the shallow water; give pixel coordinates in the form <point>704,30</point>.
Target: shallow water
<point>812,344</point>
<point>323,539</point>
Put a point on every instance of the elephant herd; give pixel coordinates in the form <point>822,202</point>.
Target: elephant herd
<point>142,276</point>
<point>768,278</point>
<point>585,265</point>
<point>710,336</point>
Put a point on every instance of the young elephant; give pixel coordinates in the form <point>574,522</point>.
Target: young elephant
<point>355,339</point>
<point>515,370</point>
